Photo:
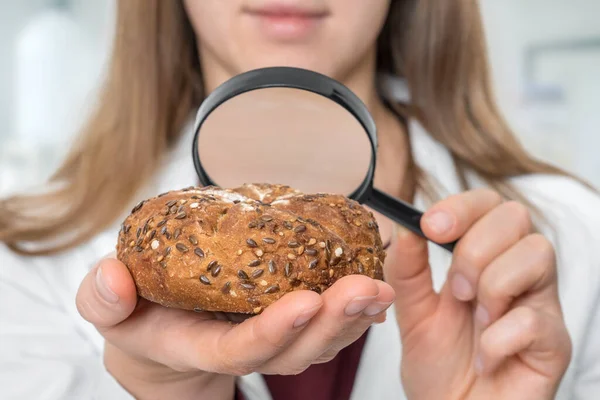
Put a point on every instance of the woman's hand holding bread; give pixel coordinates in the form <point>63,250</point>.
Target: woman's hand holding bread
<point>307,268</point>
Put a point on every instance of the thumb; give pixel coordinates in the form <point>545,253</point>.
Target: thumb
<point>107,295</point>
<point>407,271</point>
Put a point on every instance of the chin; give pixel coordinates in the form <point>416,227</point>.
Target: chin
<point>313,63</point>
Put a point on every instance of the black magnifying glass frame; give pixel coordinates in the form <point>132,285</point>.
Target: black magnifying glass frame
<point>303,79</point>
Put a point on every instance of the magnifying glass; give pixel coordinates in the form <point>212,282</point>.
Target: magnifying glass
<point>295,127</point>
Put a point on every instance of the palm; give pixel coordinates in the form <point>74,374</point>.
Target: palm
<point>443,348</point>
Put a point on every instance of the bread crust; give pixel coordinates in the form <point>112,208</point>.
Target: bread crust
<point>239,250</point>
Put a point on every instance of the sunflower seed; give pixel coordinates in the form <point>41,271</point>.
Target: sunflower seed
<point>268,240</point>
<point>253,301</point>
<point>215,271</point>
<point>272,267</point>
<point>138,249</point>
<point>171,203</point>
<point>181,215</point>
<point>204,280</point>
<point>288,225</point>
<point>293,244</point>
<point>176,233</point>
<point>161,223</point>
<point>248,285</point>
<point>242,275</point>
<point>310,252</point>
<point>226,288</point>
<point>300,228</point>
<point>138,206</point>
<point>181,247</point>
<point>251,243</point>
<point>288,269</point>
<point>198,251</point>
<point>313,264</point>
<point>193,240</point>
<point>254,263</point>
<point>257,273</point>
<point>211,265</point>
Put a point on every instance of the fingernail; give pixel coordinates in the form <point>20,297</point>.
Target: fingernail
<point>440,222</point>
<point>462,288</point>
<point>105,291</point>
<point>376,308</point>
<point>482,315</point>
<point>306,316</point>
<point>358,305</point>
<point>478,365</point>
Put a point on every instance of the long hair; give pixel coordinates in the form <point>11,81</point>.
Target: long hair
<point>154,85</point>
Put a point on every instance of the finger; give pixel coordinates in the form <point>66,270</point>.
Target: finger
<point>489,237</point>
<point>407,270</point>
<point>341,319</point>
<point>529,266</point>
<point>449,219</point>
<point>185,340</point>
<point>540,340</point>
<point>372,315</point>
<point>107,295</point>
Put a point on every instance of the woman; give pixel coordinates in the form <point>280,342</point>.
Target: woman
<point>486,324</point>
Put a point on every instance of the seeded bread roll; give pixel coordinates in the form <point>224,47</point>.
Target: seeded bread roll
<point>239,250</point>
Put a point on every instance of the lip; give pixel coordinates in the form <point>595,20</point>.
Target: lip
<point>284,21</point>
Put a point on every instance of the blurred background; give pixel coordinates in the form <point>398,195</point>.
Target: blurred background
<point>545,57</point>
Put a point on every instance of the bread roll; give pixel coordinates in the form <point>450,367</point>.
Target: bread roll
<point>239,250</point>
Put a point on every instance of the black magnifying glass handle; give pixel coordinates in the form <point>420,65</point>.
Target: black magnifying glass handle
<point>402,213</point>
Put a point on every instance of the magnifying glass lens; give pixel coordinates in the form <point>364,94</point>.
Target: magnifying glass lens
<point>282,135</point>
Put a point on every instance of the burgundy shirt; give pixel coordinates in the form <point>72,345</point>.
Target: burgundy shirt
<point>333,380</point>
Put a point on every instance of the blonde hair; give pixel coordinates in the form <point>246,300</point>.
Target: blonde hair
<point>154,84</point>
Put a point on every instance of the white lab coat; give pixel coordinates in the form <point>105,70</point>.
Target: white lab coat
<point>48,352</point>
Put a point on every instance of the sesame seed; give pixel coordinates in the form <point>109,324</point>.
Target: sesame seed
<point>322,245</point>
<point>331,272</point>
<point>263,282</point>
<point>204,280</point>
<point>182,201</point>
<point>194,205</point>
<point>291,256</point>
<point>280,234</point>
<point>357,223</point>
<point>132,243</point>
<point>154,244</point>
<point>300,250</point>
<point>312,242</point>
<point>257,310</point>
<point>338,252</point>
<point>239,252</point>
<point>259,253</point>
<point>160,258</point>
